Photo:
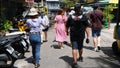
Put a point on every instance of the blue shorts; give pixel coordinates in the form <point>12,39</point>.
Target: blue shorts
<point>77,44</point>
<point>96,33</point>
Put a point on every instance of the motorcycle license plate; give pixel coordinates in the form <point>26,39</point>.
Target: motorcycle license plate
<point>10,49</point>
<point>24,43</point>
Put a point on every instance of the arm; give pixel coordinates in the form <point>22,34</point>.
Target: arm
<point>67,25</point>
<point>88,34</point>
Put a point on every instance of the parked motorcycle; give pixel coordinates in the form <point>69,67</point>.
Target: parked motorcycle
<point>20,44</point>
<point>8,55</point>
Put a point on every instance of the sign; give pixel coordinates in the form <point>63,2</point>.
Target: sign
<point>113,1</point>
<point>30,1</point>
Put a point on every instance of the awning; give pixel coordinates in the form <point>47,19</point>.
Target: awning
<point>113,1</point>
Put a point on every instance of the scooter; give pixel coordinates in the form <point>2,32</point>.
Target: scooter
<point>116,44</point>
<point>8,55</point>
<point>19,43</point>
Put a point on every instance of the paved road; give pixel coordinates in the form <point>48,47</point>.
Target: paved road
<point>51,57</point>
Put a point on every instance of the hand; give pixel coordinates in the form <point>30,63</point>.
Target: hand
<point>87,40</point>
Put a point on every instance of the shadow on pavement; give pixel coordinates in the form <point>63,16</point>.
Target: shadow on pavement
<point>55,46</point>
<point>29,60</point>
<point>105,62</point>
<point>88,47</point>
<point>67,43</point>
<point>108,51</point>
<point>67,59</point>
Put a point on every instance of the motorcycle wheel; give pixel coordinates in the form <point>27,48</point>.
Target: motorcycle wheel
<point>115,48</point>
<point>8,63</point>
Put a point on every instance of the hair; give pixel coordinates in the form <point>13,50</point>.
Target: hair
<point>60,12</point>
<point>95,6</point>
<point>77,7</point>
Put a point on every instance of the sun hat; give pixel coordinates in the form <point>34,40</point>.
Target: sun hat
<point>33,12</point>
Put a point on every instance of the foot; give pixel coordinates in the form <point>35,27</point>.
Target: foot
<point>44,40</point>
<point>75,65</point>
<point>61,47</point>
<point>37,65</point>
<point>98,47</point>
<point>80,59</point>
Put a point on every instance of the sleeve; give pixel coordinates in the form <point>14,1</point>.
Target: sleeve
<point>40,21</point>
<point>27,22</point>
<point>65,17</point>
<point>55,19</point>
<point>85,19</point>
<point>47,19</point>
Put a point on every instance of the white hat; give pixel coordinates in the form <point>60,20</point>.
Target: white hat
<point>33,12</point>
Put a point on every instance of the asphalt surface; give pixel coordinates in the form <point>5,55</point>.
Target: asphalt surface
<point>52,57</point>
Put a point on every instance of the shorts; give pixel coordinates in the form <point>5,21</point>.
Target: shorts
<point>96,33</point>
<point>46,29</point>
<point>77,44</point>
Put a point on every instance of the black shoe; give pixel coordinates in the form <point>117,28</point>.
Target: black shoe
<point>75,65</point>
<point>37,65</point>
<point>44,40</point>
<point>80,59</point>
<point>99,48</point>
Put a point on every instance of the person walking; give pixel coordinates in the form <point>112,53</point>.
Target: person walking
<point>78,24</point>
<point>96,17</point>
<point>34,34</point>
<point>45,20</point>
<point>60,21</point>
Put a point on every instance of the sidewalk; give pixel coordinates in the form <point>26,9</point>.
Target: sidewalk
<point>51,57</point>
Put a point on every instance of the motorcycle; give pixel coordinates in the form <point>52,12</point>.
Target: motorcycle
<point>19,43</point>
<point>8,55</point>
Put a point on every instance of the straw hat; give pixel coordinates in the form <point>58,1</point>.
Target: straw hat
<point>33,12</point>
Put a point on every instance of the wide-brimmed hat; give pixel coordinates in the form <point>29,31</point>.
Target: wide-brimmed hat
<point>33,12</point>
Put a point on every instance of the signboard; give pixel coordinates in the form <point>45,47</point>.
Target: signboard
<point>30,1</point>
<point>113,1</point>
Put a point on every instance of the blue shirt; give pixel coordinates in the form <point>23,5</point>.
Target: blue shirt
<point>34,24</point>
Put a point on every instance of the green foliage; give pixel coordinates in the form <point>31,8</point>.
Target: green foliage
<point>107,12</point>
<point>4,25</point>
<point>69,3</point>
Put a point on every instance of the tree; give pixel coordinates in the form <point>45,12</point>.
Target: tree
<point>69,3</point>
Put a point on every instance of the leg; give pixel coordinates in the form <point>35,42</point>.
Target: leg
<point>74,53</point>
<point>59,44</point>
<point>94,35</point>
<point>98,39</point>
<point>45,35</point>
<point>37,53</point>
<point>95,41</point>
<point>80,49</point>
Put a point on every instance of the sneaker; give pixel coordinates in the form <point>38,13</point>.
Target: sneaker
<point>80,59</point>
<point>75,65</point>
<point>37,65</point>
<point>98,47</point>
